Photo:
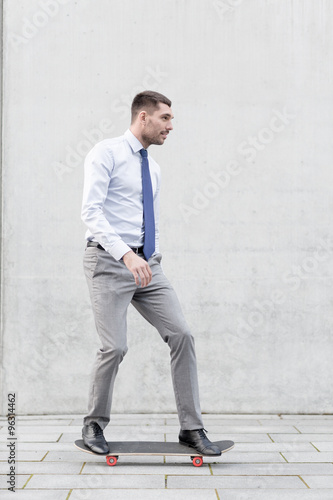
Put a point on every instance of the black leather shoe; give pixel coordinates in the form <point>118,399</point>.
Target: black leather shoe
<point>198,440</point>
<point>94,439</point>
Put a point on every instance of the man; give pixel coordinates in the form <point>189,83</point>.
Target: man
<point>122,266</point>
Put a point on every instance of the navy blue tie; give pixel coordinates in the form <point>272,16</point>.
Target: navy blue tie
<point>148,207</point>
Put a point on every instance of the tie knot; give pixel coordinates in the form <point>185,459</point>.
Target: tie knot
<point>144,153</point>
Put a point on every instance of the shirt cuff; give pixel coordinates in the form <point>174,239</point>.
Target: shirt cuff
<point>118,249</point>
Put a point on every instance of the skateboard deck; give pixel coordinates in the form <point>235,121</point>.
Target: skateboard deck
<point>153,448</point>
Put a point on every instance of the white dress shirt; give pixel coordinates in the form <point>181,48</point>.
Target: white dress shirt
<point>112,206</point>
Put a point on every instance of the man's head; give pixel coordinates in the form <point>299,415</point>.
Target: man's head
<point>151,117</point>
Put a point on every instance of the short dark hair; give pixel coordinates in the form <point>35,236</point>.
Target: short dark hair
<point>148,99</point>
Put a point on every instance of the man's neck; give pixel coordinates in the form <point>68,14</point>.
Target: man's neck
<point>138,135</point>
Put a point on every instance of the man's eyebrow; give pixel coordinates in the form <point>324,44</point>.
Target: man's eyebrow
<point>168,115</point>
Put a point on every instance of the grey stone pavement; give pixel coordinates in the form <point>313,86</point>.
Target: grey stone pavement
<point>275,457</point>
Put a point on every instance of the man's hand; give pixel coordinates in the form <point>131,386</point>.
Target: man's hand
<point>138,267</point>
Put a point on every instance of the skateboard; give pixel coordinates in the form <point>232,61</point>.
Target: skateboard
<point>153,448</point>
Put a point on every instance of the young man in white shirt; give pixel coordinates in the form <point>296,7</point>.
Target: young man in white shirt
<point>122,266</point>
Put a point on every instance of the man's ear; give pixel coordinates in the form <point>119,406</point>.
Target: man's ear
<point>143,117</point>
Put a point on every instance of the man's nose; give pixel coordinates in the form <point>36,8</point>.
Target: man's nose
<point>169,126</point>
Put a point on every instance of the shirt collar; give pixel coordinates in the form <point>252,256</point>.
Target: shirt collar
<point>133,141</point>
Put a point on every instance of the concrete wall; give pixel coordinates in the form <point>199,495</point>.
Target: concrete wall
<point>246,196</point>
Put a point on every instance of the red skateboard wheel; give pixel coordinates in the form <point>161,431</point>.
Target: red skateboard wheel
<point>111,460</point>
<point>197,461</point>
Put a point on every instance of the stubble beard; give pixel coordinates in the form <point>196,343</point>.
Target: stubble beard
<point>156,139</point>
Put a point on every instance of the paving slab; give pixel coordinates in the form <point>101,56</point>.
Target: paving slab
<point>227,421</point>
<point>41,422</point>
<point>144,494</point>
<point>280,447</point>
<point>298,422</point>
<point>235,457</point>
<point>43,429</point>
<point>50,417</point>
<point>325,456</point>
<point>69,437</point>
<point>141,416</point>
<point>241,416</point>
<point>314,429</point>
<point>23,455</point>
<point>19,482</point>
<point>46,446</point>
<point>306,417</point>
<point>44,468</point>
<point>34,437</point>
<point>315,482</point>
<point>271,469</point>
<point>73,456</point>
<point>95,481</point>
<point>268,494</point>
<point>24,418</point>
<point>297,438</point>
<point>235,482</point>
<point>322,446</point>
<point>37,495</point>
<point>121,422</point>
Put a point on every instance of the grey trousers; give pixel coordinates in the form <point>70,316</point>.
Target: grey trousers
<point>112,288</point>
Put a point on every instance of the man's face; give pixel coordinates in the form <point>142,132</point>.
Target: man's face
<point>158,125</point>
